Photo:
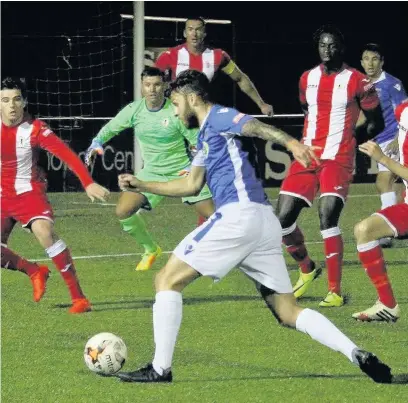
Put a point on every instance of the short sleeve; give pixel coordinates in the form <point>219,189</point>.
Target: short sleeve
<point>238,123</point>
<point>163,62</point>
<point>199,159</point>
<point>397,93</point>
<point>302,89</point>
<point>366,94</point>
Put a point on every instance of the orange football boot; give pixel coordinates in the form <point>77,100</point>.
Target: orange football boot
<point>39,282</point>
<point>80,305</point>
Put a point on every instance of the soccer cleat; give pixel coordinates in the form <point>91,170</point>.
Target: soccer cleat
<point>372,366</point>
<point>378,312</point>
<point>305,280</point>
<point>39,282</point>
<point>148,259</point>
<point>386,242</point>
<point>332,300</point>
<point>146,374</point>
<point>80,305</point>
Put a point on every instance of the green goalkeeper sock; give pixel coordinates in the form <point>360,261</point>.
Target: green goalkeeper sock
<point>136,228</point>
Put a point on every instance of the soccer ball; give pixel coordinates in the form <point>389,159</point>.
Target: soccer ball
<point>105,353</point>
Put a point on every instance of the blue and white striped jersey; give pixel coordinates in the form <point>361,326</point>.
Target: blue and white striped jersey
<point>230,176</point>
<point>391,93</point>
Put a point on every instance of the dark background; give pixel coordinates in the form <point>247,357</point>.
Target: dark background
<point>273,45</point>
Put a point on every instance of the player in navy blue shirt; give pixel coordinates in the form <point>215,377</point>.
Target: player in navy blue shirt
<point>391,93</point>
<point>243,232</point>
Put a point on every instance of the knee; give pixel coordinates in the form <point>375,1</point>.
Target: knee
<point>329,213</point>
<point>384,182</point>
<point>163,281</point>
<point>361,229</point>
<point>326,222</point>
<point>285,217</point>
<point>122,213</point>
<point>44,232</point>
<point>42,228</point>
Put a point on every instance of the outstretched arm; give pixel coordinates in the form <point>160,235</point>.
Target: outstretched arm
<point>122,121</point>
<point>53,144</point>
<point>302,153</point>
<point>247,87</point>
<point>189,185</point>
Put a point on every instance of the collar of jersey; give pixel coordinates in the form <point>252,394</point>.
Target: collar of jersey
<point>157,110</point>
<point>343,67</point>
<point>206,49</point>
<point>206,118</point>
<point>382,77</point>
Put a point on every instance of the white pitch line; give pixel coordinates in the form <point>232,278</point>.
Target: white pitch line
<point>93,204</point>
<point>167,252</point>
<point>182,204</point>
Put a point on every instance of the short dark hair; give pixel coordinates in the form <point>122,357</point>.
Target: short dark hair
<point>192,81</point>
<point>14,83</point>
<point>195,18</point>
<point>373,47</point>
<point>329,29</point>
<point>152,72</point>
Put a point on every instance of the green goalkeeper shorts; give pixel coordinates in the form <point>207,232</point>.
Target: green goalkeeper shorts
<point>154,200</point>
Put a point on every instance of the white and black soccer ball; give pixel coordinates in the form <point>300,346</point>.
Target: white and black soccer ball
<point>105,353</point>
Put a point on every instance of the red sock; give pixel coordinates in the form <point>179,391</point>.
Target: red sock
<point>201,220</point>
<point>295,245</point>
<point>60,255</point>
<point>12,261</point>
<point>372,259</point>
<point>333,247</point>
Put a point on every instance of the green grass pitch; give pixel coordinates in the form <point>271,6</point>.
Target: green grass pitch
<point>230,349</point>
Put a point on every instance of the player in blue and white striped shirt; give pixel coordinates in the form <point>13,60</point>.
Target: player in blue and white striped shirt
<point>391,93</point>
<point>243,232</point>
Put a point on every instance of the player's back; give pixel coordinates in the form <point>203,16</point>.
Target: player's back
<point>390,92</point>
<point>230,175</point>
<point>19,156</point>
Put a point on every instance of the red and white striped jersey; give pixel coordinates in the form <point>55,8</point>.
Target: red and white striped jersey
<point>20,149</point>
<point>179,59</point>
<point>401,114</point>
<point>333,103</point>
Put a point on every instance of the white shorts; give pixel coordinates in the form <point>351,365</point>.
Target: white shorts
<point>395,157</point>
<point>248,237</point>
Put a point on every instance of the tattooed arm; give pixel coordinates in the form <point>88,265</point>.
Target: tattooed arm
<point>302,153</point>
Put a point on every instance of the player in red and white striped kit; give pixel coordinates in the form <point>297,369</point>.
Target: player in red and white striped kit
<point>23,192</point>
<point>195,55</point>
<point>332,95</point>
<point>389,222</point>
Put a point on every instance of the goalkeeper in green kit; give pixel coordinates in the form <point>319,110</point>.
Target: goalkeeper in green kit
<point>164,143</point>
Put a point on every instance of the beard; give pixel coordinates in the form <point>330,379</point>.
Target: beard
<point>192,121</point>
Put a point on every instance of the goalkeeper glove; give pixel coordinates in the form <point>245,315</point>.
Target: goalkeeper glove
<point>95,148</point>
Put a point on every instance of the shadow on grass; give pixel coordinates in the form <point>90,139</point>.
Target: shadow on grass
<point>148,303</point>
<point>401,379</point>
<point>294,267</point>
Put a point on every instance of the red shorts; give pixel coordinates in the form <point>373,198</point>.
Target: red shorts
<point>330,177</point>
<point>25,208</point>
<point>397,218</point>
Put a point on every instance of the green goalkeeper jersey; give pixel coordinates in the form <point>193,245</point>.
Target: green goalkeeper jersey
<point>161,136</point>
